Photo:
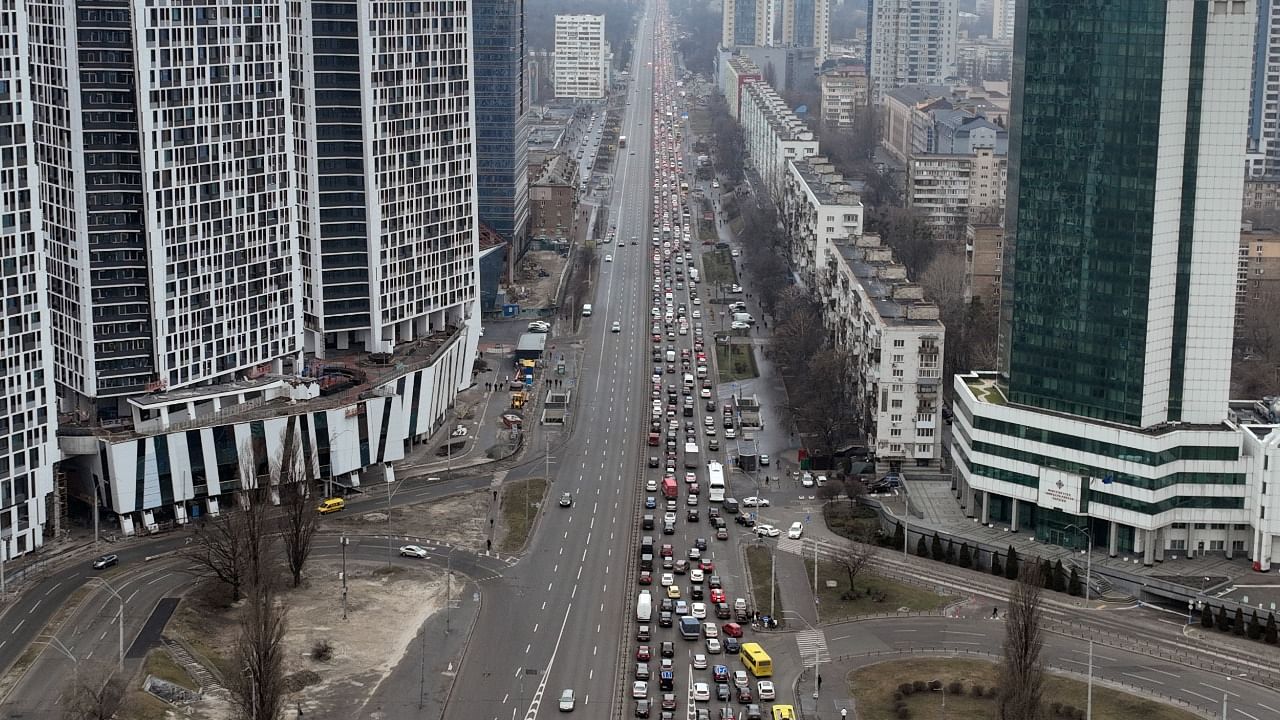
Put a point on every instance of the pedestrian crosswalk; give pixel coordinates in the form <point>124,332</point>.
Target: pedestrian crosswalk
<point>788,545</point>
<point>813,647</point>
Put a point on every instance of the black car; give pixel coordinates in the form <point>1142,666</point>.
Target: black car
<point>713,581</point>
<point>642,708</point>
<point>695,591</point>
<point>701,544</point>
<point>732,645</point>
<point>722,693</point>
<point>744,695</point>
<point>692,516</point>
<point>668,528</point>
<point>668,649</point>
<point>713,513</point>
<point>653,461</point>
<point>105,561</point>
<point>664,619</point>
<point>744,520</point>
<point>668,701</point>
<point>723,612</point>
<point>667,605</point>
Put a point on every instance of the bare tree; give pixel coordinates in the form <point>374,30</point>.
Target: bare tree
<point>298,522</point>
<point>94,696</point>
<point>257,683</point>
<point>1022,670</point>
<point>233,546</point>
<point>907,231</point>
<point>799,332</point>
<point>826,407</point>
<point>856,556</point>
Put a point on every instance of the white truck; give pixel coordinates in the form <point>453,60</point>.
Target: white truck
<point>644,607</point>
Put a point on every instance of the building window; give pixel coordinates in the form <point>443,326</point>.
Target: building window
<point>1177,544</point>
<point>1237,546</point>
<point>1217,545</point>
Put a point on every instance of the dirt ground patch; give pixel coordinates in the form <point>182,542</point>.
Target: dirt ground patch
<point>537,279</point>
<point>460,520</point>
<point>366,647</point>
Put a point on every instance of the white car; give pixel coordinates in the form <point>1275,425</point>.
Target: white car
<point>710,630</point>
<point>651,485</point>
<point>735,288</point>
<point>696,575</point>
<point>713,646</point>
<point>697,314</point>
<point>640,689</point>
<point>705,393</point>
<point>701,691</point>
<point>668,579</point>
<point>697,301</point>
<point>735,325</point>
<point>699,661</point>
<point>539,326</point>
<point>566,700</point>
<point>617,327</point>
<point>608,258</point>
<point>764,459</point>
<point>796,530</point>
<point>764,690</point>
<point>806,480</point>
<point>698,610</point>
<point>729,433</point>
<point>767,531</point>
<point>753,501</point>
<point>413,551</point>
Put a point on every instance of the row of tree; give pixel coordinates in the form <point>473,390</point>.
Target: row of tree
<point>1235,623</point>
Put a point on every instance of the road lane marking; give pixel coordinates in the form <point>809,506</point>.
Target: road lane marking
<point>1144,679</point>
<point>1221,690</point>
<point>1202,697</point>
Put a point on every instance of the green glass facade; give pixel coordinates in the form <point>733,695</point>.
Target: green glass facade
<point>1085,131</point>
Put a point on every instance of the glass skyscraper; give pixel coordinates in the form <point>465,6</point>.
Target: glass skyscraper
<point>1124,207</point>
<point>502,131</point>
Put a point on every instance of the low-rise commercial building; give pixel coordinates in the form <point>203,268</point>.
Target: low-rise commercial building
<point>553,199</point>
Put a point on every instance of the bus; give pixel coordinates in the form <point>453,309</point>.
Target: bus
<point>756,660</point>
<point>715,482</point>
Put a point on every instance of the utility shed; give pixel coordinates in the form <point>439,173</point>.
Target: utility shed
<point>531,346</point>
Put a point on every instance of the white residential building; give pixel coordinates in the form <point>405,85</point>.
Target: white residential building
<point>773,134</point>
<point>254,244</point>
<point>817,209</point>
<point>896,342</point>
<point>952,190</point>
<point>386,173</point>
<point>913,42</point>
<point>845,93</point>
<point>1003,17</point>
<point>582,57</point>
<point>28,411</point>
<point>165,185</point>
<point>736,72</point>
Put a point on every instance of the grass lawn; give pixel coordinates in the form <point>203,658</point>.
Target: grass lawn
<point>707,231</point>
<point>850,521</point>
<point>516,497</point>
<point>872,593</point>
<point>758,563</point>
<point>139,704</point>
<point>736,362</point>
<point>717,267</point>
<point>874,687</point>
<point>162,666</point>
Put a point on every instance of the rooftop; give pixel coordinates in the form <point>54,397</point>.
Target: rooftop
<point>898,301</point>
<point>340,380</point>
<point>827,185</point>
<point>785,123</point>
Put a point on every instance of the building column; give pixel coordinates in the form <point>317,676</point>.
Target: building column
<point>1161,541</point>
<point>1013,524</point>
<point>1148,547</point>
<point>1226,544</point>
<point>985,499</point>
<point>1191,540</point>
<point>1113,538</point>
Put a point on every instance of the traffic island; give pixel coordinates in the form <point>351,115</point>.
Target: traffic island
<point>760,567</point>
<point>920,686</point>
<point>735,361</point>
<point>521,501</point>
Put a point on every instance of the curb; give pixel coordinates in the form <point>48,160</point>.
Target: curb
<point>466,645</point>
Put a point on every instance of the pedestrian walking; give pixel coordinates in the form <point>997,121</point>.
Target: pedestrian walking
<point>995,613</point>
<point>819,682</point>
<point>299,709</point>
<point>488,544</point>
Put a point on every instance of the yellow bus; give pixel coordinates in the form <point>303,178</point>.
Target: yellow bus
<point>756,660</point>
<point>784,712</point>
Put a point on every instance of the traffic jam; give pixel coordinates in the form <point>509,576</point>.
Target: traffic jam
<point>693,653</point>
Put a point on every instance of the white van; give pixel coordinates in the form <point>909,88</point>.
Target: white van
<point>744,317</point>
<point>671,356</point>
<point>693,275</point>
<point>586,310</point>
<point>644,607</point>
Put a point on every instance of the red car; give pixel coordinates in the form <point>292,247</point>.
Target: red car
<point>731,629</point>
<point>717,594</point>
<point>646,578</point>
<point>667,550</point>
<point>643,653</point>
<point>706,565</point>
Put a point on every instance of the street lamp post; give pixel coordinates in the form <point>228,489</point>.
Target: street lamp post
<point>817,655</point>
<point>343,543</point>
<point>56,644</point>
<point>120,615</point>
<point>1088,559</point>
